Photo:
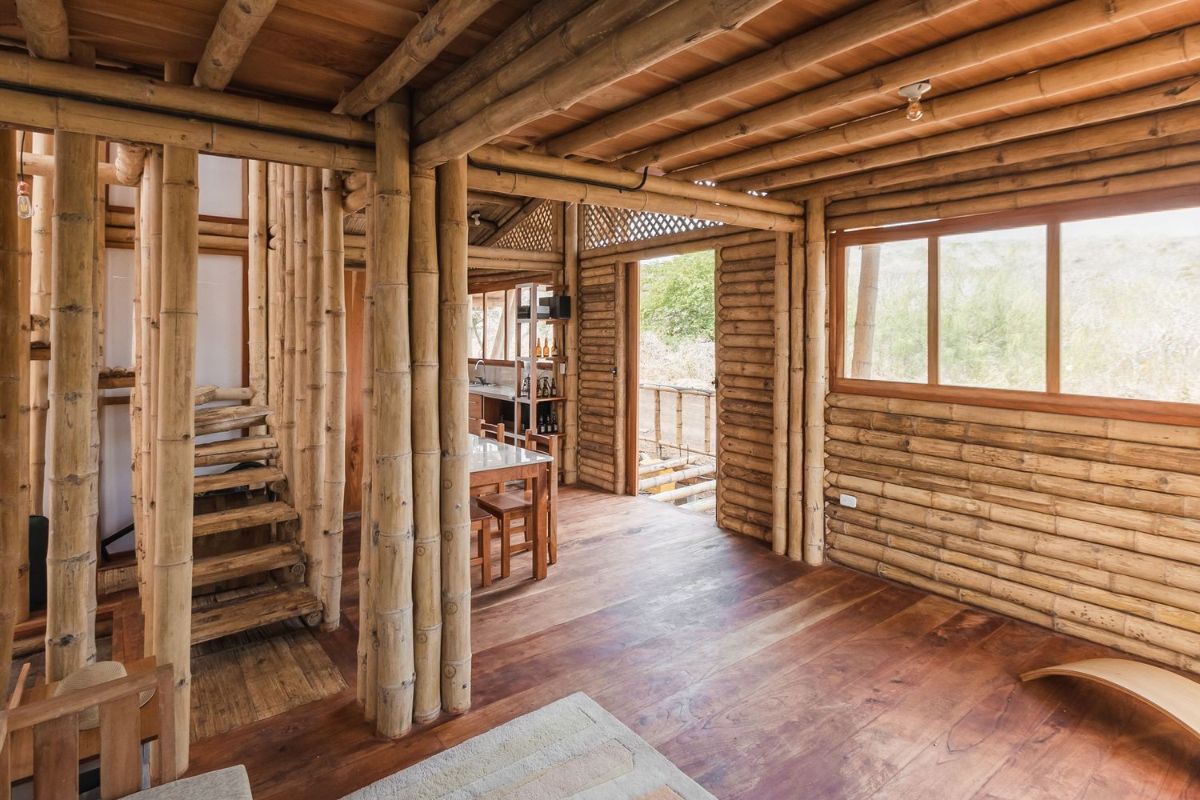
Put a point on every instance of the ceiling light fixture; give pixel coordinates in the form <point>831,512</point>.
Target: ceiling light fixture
<point>475,219</point>
<point>913,94</point>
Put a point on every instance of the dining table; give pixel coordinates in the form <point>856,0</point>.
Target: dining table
<point>494,462</point>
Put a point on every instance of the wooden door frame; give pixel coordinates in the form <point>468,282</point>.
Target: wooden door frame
<point>631,271</point>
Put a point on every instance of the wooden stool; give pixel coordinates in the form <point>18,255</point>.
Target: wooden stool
<point>481,526</point>
<point>509,508</point>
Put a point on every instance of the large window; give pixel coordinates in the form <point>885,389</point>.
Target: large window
<point>493,326</point>
<point>1077,302</point>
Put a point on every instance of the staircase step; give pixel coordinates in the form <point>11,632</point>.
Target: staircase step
<point>230,418</point>
<point>204,395</point>
<point>241,563</point>
<point>236,451</point>
<point>253,611</point>
<point>234,519</point>
<point>237,478</point>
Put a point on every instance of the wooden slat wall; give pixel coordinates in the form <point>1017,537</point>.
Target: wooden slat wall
<point>745,297</point>
<point>601,409</point>
<point>1086,525</point>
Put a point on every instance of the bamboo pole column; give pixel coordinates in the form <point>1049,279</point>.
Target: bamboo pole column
<point>570,452</point>
<point>795,417</point>
<point>174,467</point>
<point>427,447</point>
<point>392,511</point>
<point>256,280</point>
<point>150,229</point>
<point>312,490</point>
<point>452,384</point>
<point>367,652</point>
<point>24,442</point>
<point>71,558</point>
<point>864,318</point>
<point>14,349</point>
<point>39,375</point>
<point>779,395</point>
<point>333,270</point>
<point>815,359</point>
<point>275,248</point>
<point>287,425</point>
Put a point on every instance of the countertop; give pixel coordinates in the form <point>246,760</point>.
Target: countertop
<point>492,390</point>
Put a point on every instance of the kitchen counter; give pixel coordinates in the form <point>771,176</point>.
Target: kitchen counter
<point>493,390</point>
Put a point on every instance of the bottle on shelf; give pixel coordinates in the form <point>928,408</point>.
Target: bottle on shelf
<point>554,348</point>
<point>552,389</point>
<point>553,420</point>
<point>537,349</point>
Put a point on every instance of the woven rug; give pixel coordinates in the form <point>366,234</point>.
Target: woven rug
<point>570,748</point>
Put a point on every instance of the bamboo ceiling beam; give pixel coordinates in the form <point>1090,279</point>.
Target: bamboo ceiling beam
<point>42,112</point>
<point>1157,126</point>
<point>236,27</point>
<point>573,192</point>
<point>675,28</point>
<point>190,102</point>
<point>529,28</point>
<point>1145,57</point>
<point>576,36</point>
<point>1151,98</point>
<point>553,166</point>
<point>445,21</point>
<point>1070,19</point>
<point>45,26</point>
<point>837,36</point>
<point>42,165</point>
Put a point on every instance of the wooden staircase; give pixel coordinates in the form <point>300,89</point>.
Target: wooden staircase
<point>249,568</point>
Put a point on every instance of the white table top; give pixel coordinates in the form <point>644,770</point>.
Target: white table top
<point>489,454</point>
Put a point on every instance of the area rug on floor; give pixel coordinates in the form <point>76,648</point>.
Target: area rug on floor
<point>570,748</point>
<point>257,674</point>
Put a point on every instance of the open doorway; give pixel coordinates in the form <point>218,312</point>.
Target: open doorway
<point>672,337</point>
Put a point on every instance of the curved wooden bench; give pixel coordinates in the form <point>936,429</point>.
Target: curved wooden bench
<point>1173,695</point>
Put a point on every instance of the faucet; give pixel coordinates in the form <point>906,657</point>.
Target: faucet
<point>478,378</point>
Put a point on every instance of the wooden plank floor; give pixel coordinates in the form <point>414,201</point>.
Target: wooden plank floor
<point>759,677</point>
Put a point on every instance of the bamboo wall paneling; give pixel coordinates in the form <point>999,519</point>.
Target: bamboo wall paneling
<point>570,449</point>
<point>815,379</point>
<point>42,194</point>
<point>334,418</point>
<point>452,384</point>
<point>392,599</point>
<point>599,358</point>
<point>14,351</point>
<point>637,46</point>
<point>257,342</point>
<point>312,491</point>
<point>173,479</point>
<point>71,559</point>
<point>427,448</point>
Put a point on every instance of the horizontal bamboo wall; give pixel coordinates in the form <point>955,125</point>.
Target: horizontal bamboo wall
<point>1089,526</point>
<point>745,346</point>
<point>601,353</point>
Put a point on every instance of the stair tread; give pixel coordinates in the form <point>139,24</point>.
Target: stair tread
<point>253,611</point>
<point>226,418</point>
<point>232,451</point>
<point>232,519</point>
<point>249,561</point>
<point>238,477</point>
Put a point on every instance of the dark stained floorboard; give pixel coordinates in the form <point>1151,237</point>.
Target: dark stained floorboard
<point>759,677</point>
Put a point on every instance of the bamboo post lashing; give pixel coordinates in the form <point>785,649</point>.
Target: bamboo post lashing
<point>779,393</point>
<point>635,47</point>
<point>392,520</point>
<point>256,281</point>
<point>815,366</point>
<point>150,209</point>
<point>14,350</point>
<point>427,448</point>
<point>452,386</point>
<point>237,24</point>
<point>174,465</point>
<point>39,377</point>
<point>312,490</point>
<point>570,450</point>
<point>864,318</point>
<point>366,651</point>
<point>71,558</point>
<point>333,272</point>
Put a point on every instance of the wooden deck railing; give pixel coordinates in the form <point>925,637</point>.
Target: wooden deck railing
<point>678,443</point>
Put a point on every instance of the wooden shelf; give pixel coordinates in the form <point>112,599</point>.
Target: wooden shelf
<point>542,399</point>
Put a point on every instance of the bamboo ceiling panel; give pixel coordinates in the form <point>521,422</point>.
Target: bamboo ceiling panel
<point>604,227</point>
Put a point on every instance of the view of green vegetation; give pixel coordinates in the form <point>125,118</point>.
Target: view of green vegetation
<point>1130,308</point>
<point>677,320</point>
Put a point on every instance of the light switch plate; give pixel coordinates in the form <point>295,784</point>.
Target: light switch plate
<point>848,500</point>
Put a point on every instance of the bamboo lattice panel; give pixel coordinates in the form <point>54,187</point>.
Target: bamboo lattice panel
<point>600,406</point>
<point>604,227</point>
<point>745,295</point>
<point>535,232</point>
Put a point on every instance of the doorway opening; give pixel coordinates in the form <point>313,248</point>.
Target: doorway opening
<point>676,414</point>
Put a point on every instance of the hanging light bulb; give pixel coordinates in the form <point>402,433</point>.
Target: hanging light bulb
<point>475,219</point>
<point>913,94</point>
<point>24,200</point>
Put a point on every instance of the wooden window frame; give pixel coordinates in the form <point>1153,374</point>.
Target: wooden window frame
<point>1052,399</point>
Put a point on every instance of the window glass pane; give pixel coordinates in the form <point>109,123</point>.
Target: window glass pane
<point>1131,306</point>
<point>475,338</point>
<point>992,303</point>
<point>886,308</point>
<point>495,325</point>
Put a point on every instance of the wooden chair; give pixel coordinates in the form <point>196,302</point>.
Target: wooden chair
<point>513,509</point>
<point>549,445</point>
<point>488,430</point>
<point>481,527</point>
<point>48,731</point>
